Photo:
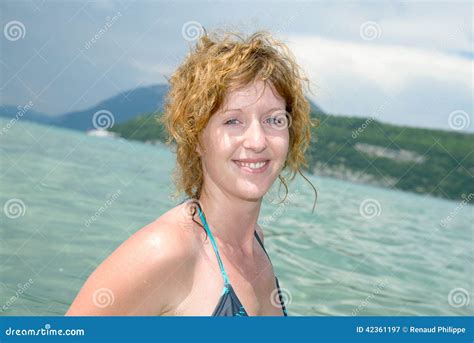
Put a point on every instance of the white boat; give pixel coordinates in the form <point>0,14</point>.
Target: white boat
<point>101,133</point>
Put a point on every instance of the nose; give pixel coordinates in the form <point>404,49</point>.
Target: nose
<point>254,137</point>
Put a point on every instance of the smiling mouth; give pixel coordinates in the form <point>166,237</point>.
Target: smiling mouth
<point>255,167</point>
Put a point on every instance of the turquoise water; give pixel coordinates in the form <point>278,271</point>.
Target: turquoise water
<point>343,260</point>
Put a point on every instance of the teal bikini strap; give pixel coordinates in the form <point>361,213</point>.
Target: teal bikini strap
<point>214,246</point>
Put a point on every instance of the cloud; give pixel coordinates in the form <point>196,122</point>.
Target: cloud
<point>150,72</point>
<point>354,78</point>
<point>420,65</point>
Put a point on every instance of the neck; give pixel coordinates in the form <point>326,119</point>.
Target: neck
<point>231,220</point>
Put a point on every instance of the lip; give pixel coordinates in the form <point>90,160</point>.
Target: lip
<point>250,170</point>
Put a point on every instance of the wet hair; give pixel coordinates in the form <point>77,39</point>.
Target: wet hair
<point>218,63</point>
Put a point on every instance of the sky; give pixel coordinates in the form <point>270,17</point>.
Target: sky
<point>407,63</point>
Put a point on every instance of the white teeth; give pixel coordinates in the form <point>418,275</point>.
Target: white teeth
<point>252,165</point>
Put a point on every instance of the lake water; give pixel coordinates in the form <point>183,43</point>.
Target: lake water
<point>365,251</point>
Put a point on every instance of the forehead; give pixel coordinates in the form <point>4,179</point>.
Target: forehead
<point>255,94</point>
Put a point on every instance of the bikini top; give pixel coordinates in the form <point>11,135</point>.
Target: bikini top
<point>229,304</point>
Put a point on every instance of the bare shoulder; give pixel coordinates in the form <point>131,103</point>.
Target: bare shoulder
<point>141,276</point>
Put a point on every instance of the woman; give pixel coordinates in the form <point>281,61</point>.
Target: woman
<point>237,116</point>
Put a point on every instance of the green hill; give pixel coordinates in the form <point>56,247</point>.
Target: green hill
<point>436,162</point>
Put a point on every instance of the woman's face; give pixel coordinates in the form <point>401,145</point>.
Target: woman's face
<point>245,143</point>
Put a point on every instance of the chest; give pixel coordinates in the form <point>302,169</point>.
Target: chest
<point>252,281</point>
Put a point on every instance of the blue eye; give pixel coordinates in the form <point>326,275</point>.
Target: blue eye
<point>272,120</point>
<point>228,122</point>
<point>278,120</point>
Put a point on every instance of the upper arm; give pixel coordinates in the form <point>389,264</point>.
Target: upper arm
<point>139,277</point>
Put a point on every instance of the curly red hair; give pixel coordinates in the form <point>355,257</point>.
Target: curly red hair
<point>218,63</point>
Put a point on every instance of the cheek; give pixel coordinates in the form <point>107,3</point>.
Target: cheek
<point>216,152</point>
<point>282,145</point>
<point>207,142</point>
<point>287,142</point>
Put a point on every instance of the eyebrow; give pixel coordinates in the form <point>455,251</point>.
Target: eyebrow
<point>240,110</point>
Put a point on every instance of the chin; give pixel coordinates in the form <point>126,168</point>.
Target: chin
<point>250,193</point>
